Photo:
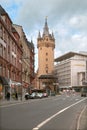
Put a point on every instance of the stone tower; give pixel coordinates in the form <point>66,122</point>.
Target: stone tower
<point>45,45</point>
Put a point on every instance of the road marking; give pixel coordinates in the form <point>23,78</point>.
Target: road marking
<point>35,128</point>
<point>78,123</point>
<point>64,98</point>
<point>59,112</point>
<point>76,99</point>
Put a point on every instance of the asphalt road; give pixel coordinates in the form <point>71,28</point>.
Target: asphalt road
<point>53,113</point>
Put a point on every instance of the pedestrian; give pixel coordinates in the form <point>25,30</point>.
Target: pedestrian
<point>8,96</point>
<point>16,96</point>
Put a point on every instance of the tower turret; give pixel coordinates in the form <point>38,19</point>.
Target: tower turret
<point>39,35</point>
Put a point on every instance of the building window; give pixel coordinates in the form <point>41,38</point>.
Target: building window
<point>46,59</point>
<point>46,68</point>
<point>1,50</point>
<point>46,54</point>
<point>0,69</point>
<point>47,71</point>
<point>46,39</point>
<point>47,45</point>
<point>46,65</point>
<point>4,52</point>
<point>8,73</point>
<point>4,71</point>
<point>1,31</point>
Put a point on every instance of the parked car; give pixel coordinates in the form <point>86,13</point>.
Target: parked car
<point>84,92</point>
<point>27,96</point>
<point>33,95</point>
<point>39,95</point>
<point>45,95</point>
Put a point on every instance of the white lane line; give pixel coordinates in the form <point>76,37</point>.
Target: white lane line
<point>76,99</point>
<point>59,112</point>
<point>78,123</point>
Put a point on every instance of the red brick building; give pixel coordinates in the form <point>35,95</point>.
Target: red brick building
<point>10,54</point>
<point>27,60</point>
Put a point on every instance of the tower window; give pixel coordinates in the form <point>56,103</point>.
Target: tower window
<point>46,65</point>
<point>46,53</point>
<point>46,71</point>
<point>47,39</point>
<point>46,59</point>
<point>47,45</point>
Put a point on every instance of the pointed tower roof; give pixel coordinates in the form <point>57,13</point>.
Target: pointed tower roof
<point>39,35</point>
<point>52,35</point>
<point>46,29</point>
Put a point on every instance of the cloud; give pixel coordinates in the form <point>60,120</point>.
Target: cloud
<point>79,22</point>
<point>66,18</point>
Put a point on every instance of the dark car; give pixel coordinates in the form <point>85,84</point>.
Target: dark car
<point>27,96</point>
<point>84,92</point>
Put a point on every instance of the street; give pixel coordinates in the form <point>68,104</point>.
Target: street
<point>52,113</point>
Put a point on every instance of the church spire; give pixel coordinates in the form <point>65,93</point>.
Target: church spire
<point>46,29</point>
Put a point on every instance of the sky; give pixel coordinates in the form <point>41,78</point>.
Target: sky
<point>67,19</point>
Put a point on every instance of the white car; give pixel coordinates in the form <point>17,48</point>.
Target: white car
<point>39,95</point>
<point>33,95</point>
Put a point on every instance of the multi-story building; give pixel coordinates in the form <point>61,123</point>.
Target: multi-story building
<point>71,69</point>
<point>27,59</point>
<point>16,57</point>
<point>10,54</point>
<point>45,45</point>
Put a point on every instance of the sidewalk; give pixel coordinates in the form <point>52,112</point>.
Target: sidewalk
<point>12,101</point>
<point>82,121</point>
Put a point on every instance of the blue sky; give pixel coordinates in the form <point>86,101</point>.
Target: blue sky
<point>66,18</point>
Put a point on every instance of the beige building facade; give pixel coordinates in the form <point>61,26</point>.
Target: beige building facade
<point>71,69</point>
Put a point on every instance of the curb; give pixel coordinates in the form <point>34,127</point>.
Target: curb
<point>2,103</point>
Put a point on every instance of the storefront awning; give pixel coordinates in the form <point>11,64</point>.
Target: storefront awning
<point>49,76</point>
<point>16,83</point>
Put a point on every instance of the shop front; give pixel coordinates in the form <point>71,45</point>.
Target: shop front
<point>4,87</point>
<point>11,87</point>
